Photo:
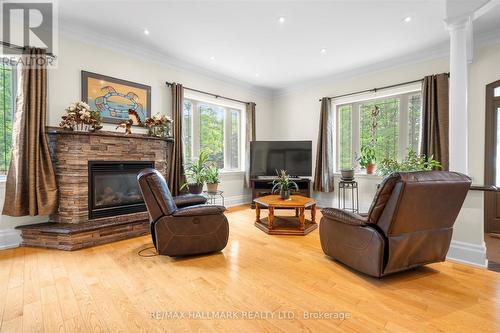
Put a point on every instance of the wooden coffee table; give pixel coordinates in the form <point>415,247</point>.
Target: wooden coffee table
<point>285,225</point>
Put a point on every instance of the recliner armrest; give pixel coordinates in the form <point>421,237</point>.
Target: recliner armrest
<point>199,210</point>
<point>344,216</point>
<point>186,200</point>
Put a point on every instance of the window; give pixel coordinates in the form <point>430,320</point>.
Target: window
<point>7,102</point>
<point>214,128</point>
<point>391,124</point>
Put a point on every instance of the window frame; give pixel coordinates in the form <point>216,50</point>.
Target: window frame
<point>403,93</point>
<point>229,107</point>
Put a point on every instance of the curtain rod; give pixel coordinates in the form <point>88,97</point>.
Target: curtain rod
<point>21,48</point>
<point>209,93</point>
<point>377,89</point>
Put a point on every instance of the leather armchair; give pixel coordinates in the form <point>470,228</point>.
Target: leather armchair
<point>183,225</point>
<point>410,223</point>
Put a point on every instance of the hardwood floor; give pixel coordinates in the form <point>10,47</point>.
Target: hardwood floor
<point>110,288</point>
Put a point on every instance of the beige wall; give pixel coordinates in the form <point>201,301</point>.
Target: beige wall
<point>64,88</point>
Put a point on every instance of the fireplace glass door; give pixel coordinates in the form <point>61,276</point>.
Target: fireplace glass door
<point>113,188</point>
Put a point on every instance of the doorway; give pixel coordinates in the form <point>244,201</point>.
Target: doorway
<point>492,174</point>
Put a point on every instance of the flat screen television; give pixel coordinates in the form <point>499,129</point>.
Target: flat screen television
<point>293,156</point>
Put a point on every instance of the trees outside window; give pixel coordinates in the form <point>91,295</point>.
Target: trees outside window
<point>215,129</point>
<point>7,102</point>
<point>394,129</point>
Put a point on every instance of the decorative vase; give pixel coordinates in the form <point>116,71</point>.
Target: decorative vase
<point>195,188</point>
<point>81,127</point>
<point>369,169</point>
<point>212,188</point>
<point>285,194</point>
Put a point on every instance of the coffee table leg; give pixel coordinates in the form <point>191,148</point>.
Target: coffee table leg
<point>302,218</point>
<point>257,212</point>
<point>313,213</point>
<point>270,217</point>
<point>296,212</point>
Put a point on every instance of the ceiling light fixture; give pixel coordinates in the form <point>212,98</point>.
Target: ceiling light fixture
<point>146,32</point>
<point>212,58</point>
<point>257,74</point>
<point>323,51</point>
<point>281,19</point>
<point>407,19</point>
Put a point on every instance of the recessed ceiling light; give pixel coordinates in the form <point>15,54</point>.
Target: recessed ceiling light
<point>212,58</point>
<point>407,19</point>
<point>257,74</point>
<point>323,51</point>
<point>146,32</point>
<point>281,19</point>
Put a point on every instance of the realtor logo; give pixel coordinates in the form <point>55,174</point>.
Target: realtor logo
<point>27,24</point>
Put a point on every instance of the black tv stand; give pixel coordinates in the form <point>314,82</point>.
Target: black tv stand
<point>262,186</point>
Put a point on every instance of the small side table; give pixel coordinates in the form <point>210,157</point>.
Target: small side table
<point>346,186</point>
<point>212,197</point>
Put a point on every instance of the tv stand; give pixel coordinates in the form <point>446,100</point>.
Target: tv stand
<point>262,186</point>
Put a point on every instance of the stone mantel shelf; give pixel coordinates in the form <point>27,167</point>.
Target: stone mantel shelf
<point>58,130</point>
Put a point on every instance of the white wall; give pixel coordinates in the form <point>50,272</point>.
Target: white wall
<point>64,88</point>
<point>301,106</point>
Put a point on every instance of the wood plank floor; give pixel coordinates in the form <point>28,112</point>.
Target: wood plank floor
<point>110,288</point>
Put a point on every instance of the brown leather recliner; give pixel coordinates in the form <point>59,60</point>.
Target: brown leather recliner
<point>194,228</point>
<point>410,223</point>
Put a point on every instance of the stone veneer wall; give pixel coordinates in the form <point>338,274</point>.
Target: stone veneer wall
<point>71,152</point>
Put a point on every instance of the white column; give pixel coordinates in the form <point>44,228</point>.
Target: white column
<point>458,95</point>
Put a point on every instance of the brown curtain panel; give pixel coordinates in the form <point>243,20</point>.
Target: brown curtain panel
<point>250,136</point>
<point>31,187</point>
<point>176,176</point>
<point>323,175</point>
<point>435,118</point>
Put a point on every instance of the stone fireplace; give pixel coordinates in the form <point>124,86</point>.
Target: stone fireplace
<point>99,199</point>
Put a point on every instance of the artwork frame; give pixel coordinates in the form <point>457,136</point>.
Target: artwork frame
<point>137,95</point>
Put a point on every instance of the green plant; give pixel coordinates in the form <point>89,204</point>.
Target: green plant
<point>412,162</point>
<point>367,155</point>
<point>196,171</point>
<point>212,175</point>
<point>283,182</point>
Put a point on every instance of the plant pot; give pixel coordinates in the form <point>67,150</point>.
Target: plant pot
<point>370,168</point>
<point>195,188</point>
<point>285,194</point>
<point>212,188</point>
<point>347,174</point>
<point>81,127</point>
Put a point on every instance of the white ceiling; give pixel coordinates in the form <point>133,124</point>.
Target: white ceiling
<point>246,39</point>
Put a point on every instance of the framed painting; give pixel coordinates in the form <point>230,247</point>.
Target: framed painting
<point>117,100</point>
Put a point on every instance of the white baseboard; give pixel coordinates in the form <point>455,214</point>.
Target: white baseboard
<point>9,238</point>
<point>468,253</point>
<point>237,200</point>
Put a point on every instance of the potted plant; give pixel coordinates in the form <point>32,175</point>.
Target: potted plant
<point>367,158</point>
<point>212,179</point>
<point>347,174</point>
<point>80,118</point>
<point>196,174</point>
<point>284,185</point>
<point>412,162</point>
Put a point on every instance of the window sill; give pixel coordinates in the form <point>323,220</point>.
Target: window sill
<point>362,175</point>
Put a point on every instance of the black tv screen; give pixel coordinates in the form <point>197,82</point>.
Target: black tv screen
<point>293,156</point>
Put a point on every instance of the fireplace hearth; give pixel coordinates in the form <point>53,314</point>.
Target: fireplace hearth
<point>113,188</point>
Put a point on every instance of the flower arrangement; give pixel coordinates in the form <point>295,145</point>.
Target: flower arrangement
<point>79,117</point>
<point>159,125</point>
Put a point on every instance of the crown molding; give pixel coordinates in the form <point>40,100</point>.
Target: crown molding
<point>116,45</point>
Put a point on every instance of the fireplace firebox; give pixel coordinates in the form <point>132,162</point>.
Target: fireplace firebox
<point>113,188</point>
